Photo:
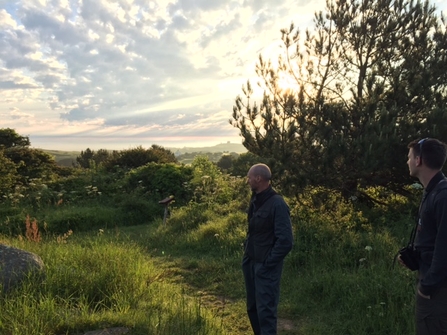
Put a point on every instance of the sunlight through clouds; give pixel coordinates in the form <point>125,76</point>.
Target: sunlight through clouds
<point>110,73</point>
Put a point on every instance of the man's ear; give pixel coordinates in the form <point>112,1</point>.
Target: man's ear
<point>418,161</point>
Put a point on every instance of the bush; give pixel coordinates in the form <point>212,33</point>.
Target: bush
<point>12,223</point>
<point>159,181</point>
<point>80,218</point>
<point>134,211</point>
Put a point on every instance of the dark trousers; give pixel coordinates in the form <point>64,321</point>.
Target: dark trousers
<point>262,287</point>
<point>431,314</point>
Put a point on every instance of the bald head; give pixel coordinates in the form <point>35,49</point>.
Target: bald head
<point>259,177</point>
<point>262,171</point>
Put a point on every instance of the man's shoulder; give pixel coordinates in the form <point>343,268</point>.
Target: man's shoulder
<point>440,192</point>
<point>278,200</point>
<point>441,187</point>
<point>277,196</point>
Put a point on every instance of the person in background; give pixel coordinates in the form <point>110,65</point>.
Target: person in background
<point>425,161</point>
<point>269,239</point>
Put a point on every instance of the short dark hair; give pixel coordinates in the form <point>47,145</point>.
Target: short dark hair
<point>432,152</point>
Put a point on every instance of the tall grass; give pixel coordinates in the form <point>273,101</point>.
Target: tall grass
<point>94,282</point>
<point>185,278</point>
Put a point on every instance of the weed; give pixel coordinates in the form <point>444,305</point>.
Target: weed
<point>32,232</point>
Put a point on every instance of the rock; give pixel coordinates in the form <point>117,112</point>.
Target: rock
<point>16,265</point>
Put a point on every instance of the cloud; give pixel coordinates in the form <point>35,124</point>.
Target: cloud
<point>166,68</point>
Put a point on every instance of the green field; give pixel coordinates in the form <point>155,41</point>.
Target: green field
<point>184,277</point>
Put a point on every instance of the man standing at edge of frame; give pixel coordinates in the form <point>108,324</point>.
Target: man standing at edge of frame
<point>425,161</point>
<point>269,240</point>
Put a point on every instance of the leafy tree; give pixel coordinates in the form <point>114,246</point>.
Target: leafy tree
<point>136,157</point>
<point>242,164</point>
<point>89,158</point>
<point>28,163</point>
<point>101,156</point>
<point>85,158</point>
<point>159,181</point>
<point>369,78</point>
<point>225,162</point>
<point>203,167</point>
<point>32,163</point>
<point>162,155</point>
<point>9,139</point>
<point>208,182</point>
<point>8,174</point>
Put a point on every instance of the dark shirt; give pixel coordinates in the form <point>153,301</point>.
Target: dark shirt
<point>431,237</point>
<point>269,237</point>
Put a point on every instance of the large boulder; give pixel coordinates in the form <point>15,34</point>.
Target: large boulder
<point>16,265</point>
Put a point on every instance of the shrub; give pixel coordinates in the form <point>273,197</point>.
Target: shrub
<point>12,224</point>
<point>159,181</point>
<point>134,211</point>
<point>80,218</point>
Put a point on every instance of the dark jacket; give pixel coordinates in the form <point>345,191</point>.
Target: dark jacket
<point>269,238</point>
<point>431,237</point>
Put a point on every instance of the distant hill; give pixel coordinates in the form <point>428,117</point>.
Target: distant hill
<point>222,147</point>
<point>68,158</point>
<point>64,158</point>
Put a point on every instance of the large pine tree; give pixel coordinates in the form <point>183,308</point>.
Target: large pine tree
<point>370,77</point>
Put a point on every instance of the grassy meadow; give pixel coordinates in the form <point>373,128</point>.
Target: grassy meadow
<point>184,277</point>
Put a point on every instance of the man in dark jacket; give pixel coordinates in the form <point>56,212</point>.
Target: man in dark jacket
<point>425,161</point>
<point>269,240</point>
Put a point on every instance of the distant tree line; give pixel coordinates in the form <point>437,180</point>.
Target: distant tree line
<point>125,159</point>
<point>156,169</point>
<point>105,188</point>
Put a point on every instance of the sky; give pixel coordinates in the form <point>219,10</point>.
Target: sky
<point>104,74</point>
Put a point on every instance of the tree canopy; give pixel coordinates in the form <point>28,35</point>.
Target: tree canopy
<point>19,164</point>
<point>127,159</point>
<point>9,138</point>
<point>369,78</point>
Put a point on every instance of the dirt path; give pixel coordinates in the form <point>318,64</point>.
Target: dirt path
<point>287,327</point>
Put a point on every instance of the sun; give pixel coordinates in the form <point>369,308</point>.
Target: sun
<point>286,83</point>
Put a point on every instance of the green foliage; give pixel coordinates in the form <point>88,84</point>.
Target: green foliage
<point>95,282</point>
<point>20,165</point>
<point>12,221</point>
<point>244,162</point>
<point>125,159</point>
<point>188,157</point>
<point>225,162</point>
<point>341,264</point>
<point>162,155</point>
<point>210,185</point>
<point>159,181</point>
<point>369,78</point>
<point>8,175</point>
<point>9,138</point>
<point>344,258</point>
<point>143,276</point>
<point>202,166</point>
<point>32,163</point>
<point>93,199</point>
<point>84,218</point>
<point>85,158</point>
<point>136,157</point>
<point>136,210</point>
